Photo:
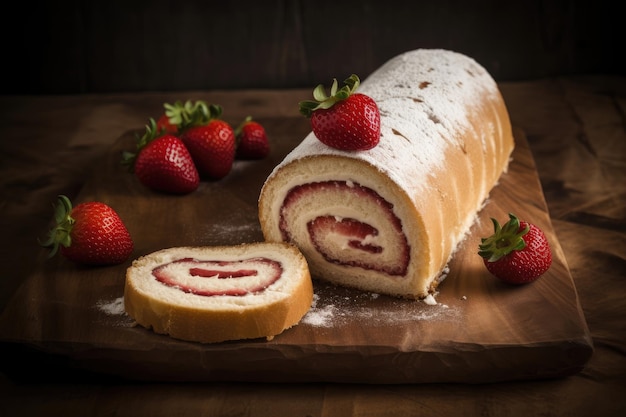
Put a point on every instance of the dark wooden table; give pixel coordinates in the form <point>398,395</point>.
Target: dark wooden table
<point>576,130</point>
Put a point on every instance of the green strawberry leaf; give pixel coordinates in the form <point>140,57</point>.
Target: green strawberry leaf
<point>323,101</point>
<point>504,240</point>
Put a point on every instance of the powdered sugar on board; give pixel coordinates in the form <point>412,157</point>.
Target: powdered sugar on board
<point>112,307</point>
<point>114,312</point>
<point>335,307</point>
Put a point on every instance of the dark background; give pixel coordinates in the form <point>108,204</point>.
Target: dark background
<point>81,46</point>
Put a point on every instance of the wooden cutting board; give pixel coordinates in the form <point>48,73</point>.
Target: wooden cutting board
<point>479,331</point>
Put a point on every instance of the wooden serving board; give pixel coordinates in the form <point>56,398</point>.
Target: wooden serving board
<point>479,331</point>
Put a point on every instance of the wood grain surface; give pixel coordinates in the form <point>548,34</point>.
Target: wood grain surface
<point>480,330</point>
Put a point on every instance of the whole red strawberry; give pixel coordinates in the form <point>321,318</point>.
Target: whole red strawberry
<point>91,233</point>
<point>163,163</point>
<point>212,147</point>
<point>517,253</point>
<point>252,142</point>
<point>344,120</point>
<point>210,140</point>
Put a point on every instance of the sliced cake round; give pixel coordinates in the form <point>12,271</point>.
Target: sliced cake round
<point>215,294</point>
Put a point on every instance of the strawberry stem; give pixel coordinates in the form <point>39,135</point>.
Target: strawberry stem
<point>151,133</point>
<point>239,128</point>
<point>189,114</point>
<point>504,240</point>
<point>237,131</point>
<point>60,233</point>
<point>323,101</point>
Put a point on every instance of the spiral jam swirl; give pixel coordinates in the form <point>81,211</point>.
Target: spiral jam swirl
<point>347,224</point>
<point>213,278</point>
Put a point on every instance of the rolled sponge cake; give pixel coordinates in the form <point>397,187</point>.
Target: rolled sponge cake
<point>388,220</point>
<point>219,293</point>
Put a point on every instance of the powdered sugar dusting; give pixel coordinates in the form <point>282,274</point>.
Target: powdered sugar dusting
<point>228,231</point>
<point>333,307</point>
<point>319,316</point>
<point>112,307</point>
<point>224,228</point>
<point>423,96</point>
<point>115,313</point>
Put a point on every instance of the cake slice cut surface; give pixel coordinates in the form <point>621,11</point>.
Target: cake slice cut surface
<point>215,294</point>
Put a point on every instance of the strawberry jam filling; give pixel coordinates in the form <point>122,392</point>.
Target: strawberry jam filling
<point>211,278</point>
<point>355,232</point>
<point>355,227</point>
